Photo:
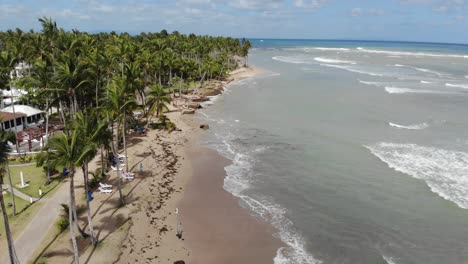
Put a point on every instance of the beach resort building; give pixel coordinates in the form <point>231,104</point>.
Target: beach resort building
<point>25,116</point>
<point>7,120</point>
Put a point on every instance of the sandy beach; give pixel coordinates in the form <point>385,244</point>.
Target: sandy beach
<point>181,182</point>
<point>216,229</point>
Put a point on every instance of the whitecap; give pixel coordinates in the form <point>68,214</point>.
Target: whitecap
<point>444,171</point>
<point>417,54</point>
<point>397,90</point>
<point>421,69</point>
<point>371,83</point>
<point>425,82</point>
<point>289,59</point>
<point>411,127</point>
<point>348,68</point>
<point>464,86</point>
<point>332,49</point>
<point>389,260</point>
<point>326,60</point>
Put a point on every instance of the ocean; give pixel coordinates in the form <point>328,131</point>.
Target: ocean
<point>356,151</point>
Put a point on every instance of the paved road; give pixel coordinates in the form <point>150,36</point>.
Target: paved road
<point>33,234</point>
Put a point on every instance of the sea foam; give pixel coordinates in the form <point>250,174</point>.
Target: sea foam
<point>239,179</point>
<point>464,86</point>
<point>371,83</point>
<point>444,171</point>
<point>397,90</point>
<point>417,54</point>
<point>289,59</point>
<point>349,68</point>
<point>411,127</point>
<point>389,260</point>
<point>326,60</point>
<point>332,49</point>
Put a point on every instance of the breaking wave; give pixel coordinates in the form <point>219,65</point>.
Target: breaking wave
<point>333,60</point>
<point>444,171</point>
<point>348,68</point>
<point>417,54</point>
<point>411,127</point>
<point>397,90</point>
<point>464,86</point>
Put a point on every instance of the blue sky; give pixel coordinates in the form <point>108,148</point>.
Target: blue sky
<point>412,20</point>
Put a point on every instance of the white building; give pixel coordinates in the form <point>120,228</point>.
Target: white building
<point>27,115</point>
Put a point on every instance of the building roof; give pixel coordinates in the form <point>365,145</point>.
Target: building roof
<point>7,116</point>
<point>26,109</point>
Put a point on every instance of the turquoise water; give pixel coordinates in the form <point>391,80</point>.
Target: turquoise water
<point>356,151</point>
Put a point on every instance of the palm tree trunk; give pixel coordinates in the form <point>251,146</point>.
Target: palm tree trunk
<point>11,188</point>
<point>122,200</point>
<point>14,118</point>
<point>116,156</point>
<point>47,136</point>
<point>62,114</point>
<point>11,246</point>
<point>124,139</point>
<point>71,211</point>
<point>103,168</point>
<point>88,208</point>
<point>75,216</point>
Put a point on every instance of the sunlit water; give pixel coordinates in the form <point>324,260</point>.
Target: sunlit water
<point>356,151</point>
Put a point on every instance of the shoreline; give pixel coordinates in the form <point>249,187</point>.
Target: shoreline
<point>144,230</point>
<point>217,228</point>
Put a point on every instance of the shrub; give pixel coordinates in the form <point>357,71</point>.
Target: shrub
<point>62,224</point>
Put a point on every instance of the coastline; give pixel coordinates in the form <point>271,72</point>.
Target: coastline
<point>217,229</point>
<point>179,175</point>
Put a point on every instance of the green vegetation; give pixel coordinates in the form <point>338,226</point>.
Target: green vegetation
<point>35,177</point>
<point>96,81</point>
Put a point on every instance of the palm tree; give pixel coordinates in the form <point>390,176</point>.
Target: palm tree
<point>4,149</point>
<point>118,106</point>
<point>89,128</point>
<point>70,151</point>
<point>158,101</point>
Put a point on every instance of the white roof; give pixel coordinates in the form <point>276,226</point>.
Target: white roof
<point>25,109</point>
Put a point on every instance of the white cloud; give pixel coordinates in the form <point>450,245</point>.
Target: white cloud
<point>256,4</point>
<point>310,4</point>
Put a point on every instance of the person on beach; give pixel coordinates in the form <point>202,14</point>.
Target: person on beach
<point>179,225</point>
<point>179,230</point>
<point>141,167</point>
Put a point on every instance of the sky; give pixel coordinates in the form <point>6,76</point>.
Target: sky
<point>405,20</point>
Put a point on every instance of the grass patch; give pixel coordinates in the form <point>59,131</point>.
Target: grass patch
<point>25,211</point>
<point>35,177</point>
<point>20,204</point>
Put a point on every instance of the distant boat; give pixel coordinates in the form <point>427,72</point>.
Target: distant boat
<point>261,40</point>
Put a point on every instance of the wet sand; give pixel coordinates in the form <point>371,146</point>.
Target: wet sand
<point>216,228</point>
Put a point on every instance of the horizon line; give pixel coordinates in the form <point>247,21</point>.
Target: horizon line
<point>363,40</point>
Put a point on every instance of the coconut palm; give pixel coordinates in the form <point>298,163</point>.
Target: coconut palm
<point>4,149</point>
<point>89,128</point>
<point>158,101</point>
<point>70,151</point>
<point>119,106</point>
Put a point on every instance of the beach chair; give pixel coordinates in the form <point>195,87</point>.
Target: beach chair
<point>105,190</point>
<point>115,169</point>
<point>128,176</point>
<point>105,186</point>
